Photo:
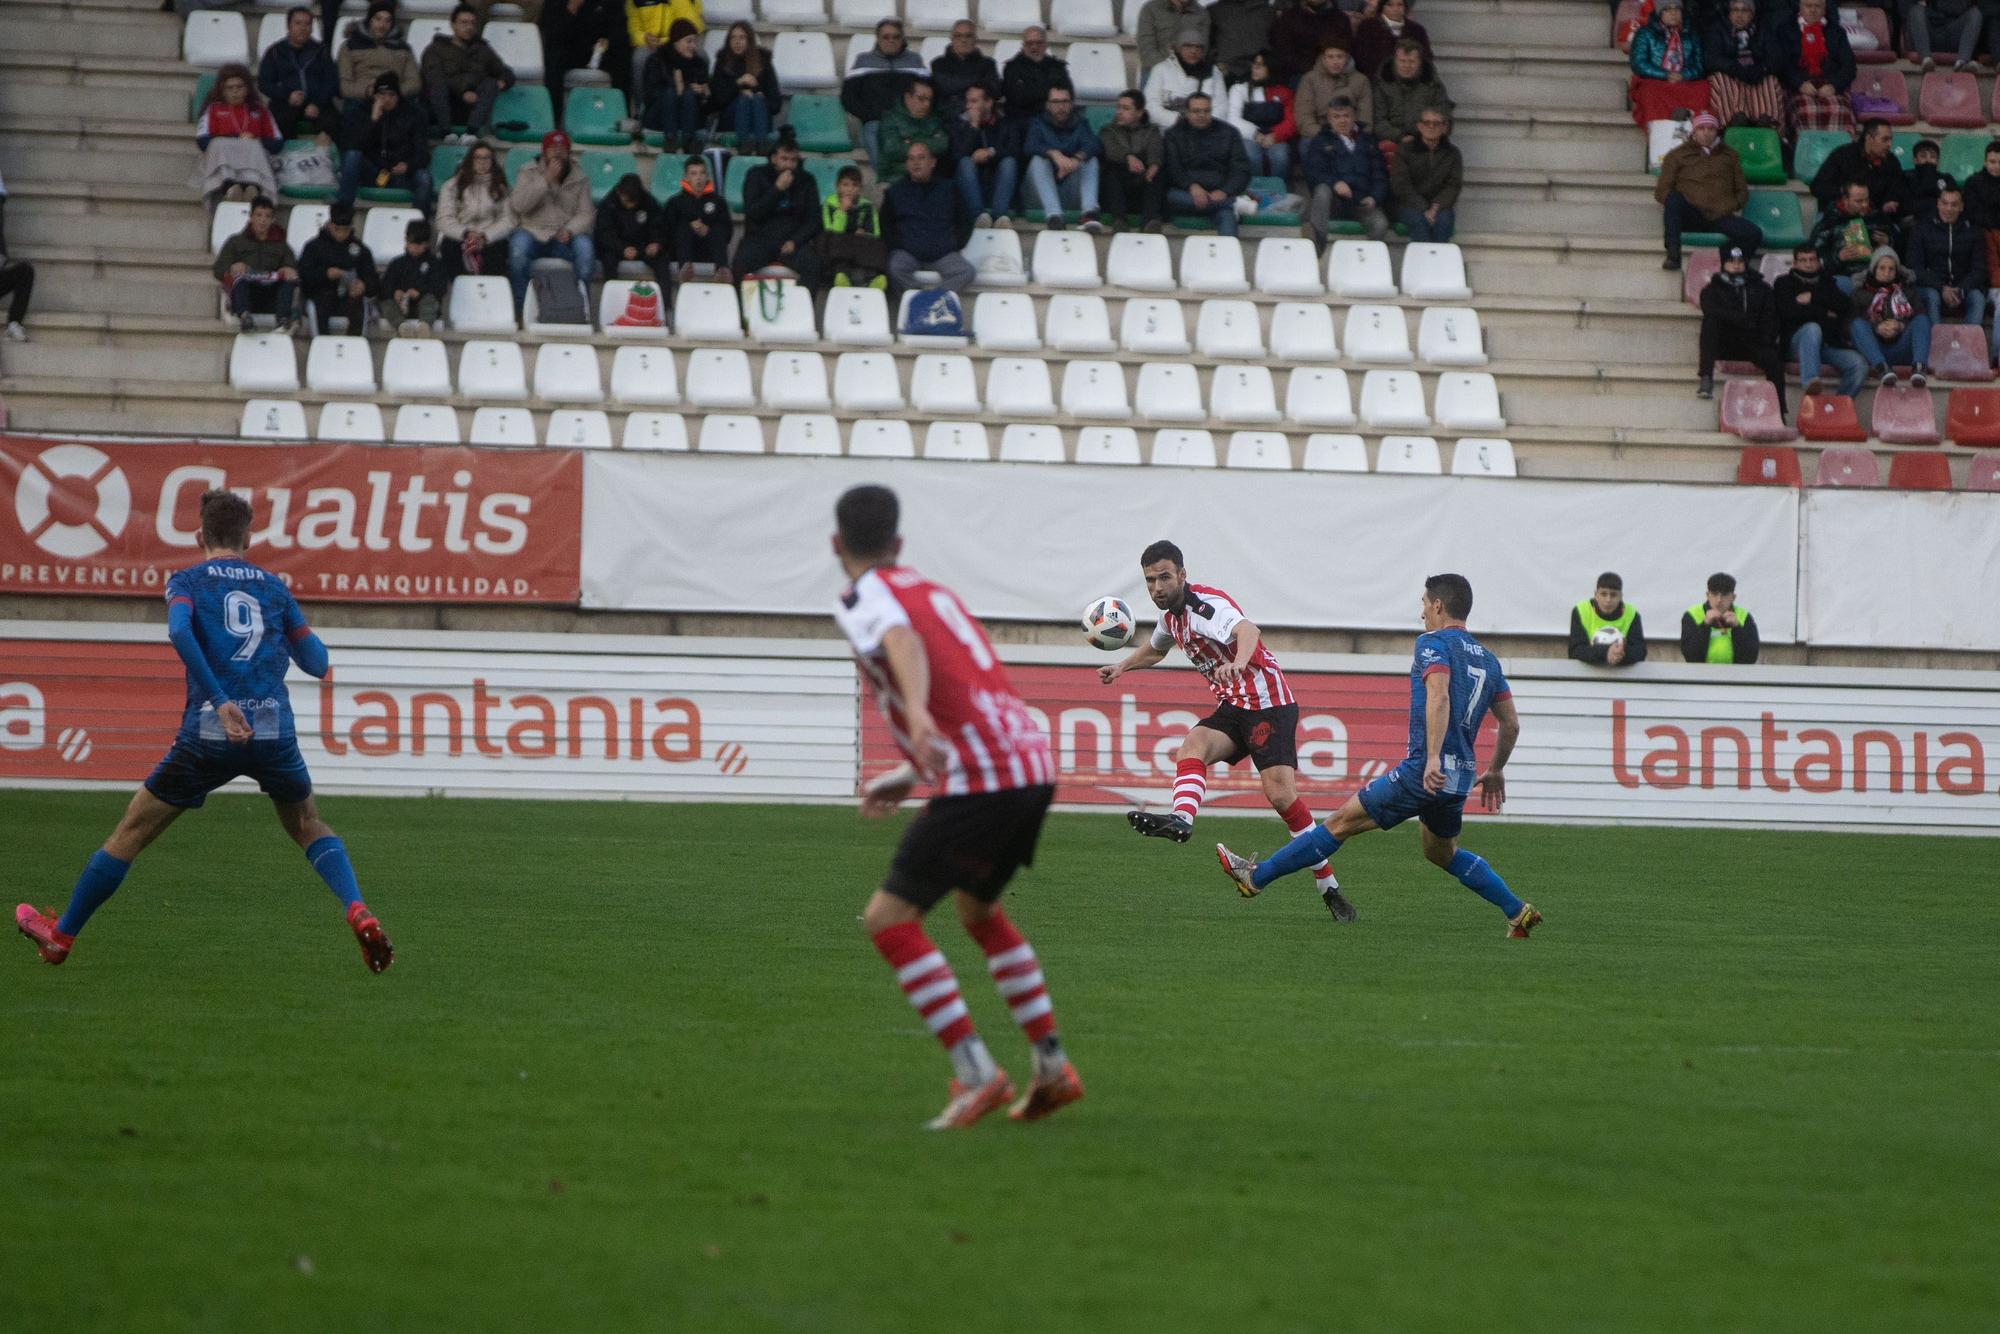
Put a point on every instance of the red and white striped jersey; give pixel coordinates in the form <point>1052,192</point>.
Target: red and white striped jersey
<point>993,744</point>
<point>1202,627</point>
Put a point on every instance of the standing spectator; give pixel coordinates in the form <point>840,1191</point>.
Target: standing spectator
<point>474,214</point>
<point>1345,173</point>
<point>1812,323</point>
<point>1133,154</point>
<point>1260,108</point>
<point>1205,165</point>
<point>876,81</point>
<point>961,66</point>
<point>552,215</point>
<point>631,227</point>
<point>1846,236</point>
<point>589,34</point>
<point>236,136</point>
<point>17,278</point>
<point>1333,76</point>
<point>781,217</point>
<point>697,224</point>
<point>1948,255</point>
<point>1666,67</point>
<point>914,120</point>
<point>256,270</point>
<point>1813,59</point>
<point>388,146</point>
<point>850,238</point>
<point>1377,36</point>
<point>1954,21</point>
<point>1425,178</point>
<point>1180,76</point>
<point>416,283</point>
<point>925,225</point>
<point>746,97</point>
<point>1982,205</point>
<point>1299,33</point>
<point>1890,326</point>
<point>1739,322</point>
<point>1603,630</point>
<point>1062,162</point>
<point>1716,630</point>
<point>1741,86</point>
<point>299,81</point>
<point>988,152</point>
<point>375,46</point>
<point>1406,87</point>
<point>1872,161</point>
<point>675,88</point>
<point>648,24</point>
<point>1701,188</point>
<point>337,274</point>
<point>1161,23</point>
<point>1239,30</point>
<point>1027,78</point>
<point>462,75</point>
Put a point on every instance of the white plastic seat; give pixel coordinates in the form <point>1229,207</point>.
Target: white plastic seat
<point>1079,324</point>
<point>567,373</point>
<point>307,221</point>
<point>1140,261</point>
<point>492,368</point>
<point>1450,336</point>
<point>382,233</point>
<point>213,38</point>
<point>1005,322</point>
<point>1084,18</point>
<point>1359,270</point>
<point>1662,138</point>
<point>857,317</point>
<point>1116,445</point>
<point>708,312</point>
<point>273,419</point>
<point>1229,329</point>
<point>792,11</point>
<point>531,311</point>
<point>1066,259</point>
<point>1259,449</point>
<point>479,304</point>
<point>1317,396</point>
<point>264,363</point>
<point>1154,325</point>
<point>1468,401</point>
<point>928,15</point>
<point>1288,266</point>
<point>656,430</point>
<point>1435,271</point>
<point>1095,391</point>
<point>867,382</point>
<point>1183,449</point>
<point>996,253</point>
<point>578,428</point>
<point>416,368</point>
<point>808,433</point>
<point>783,316</point>
<point>932,47</point>
<point>520,45</point>
<point>806,58</point>
<point>1007,15</point>
<point>426,424</point>
<point>944,385</point>
<point>1393,401</point>
<point>1021,443</point>
<point>644,375</point>
<point>231,217</point>
<point>1019,387</point>
<point>1213,265</point>
<point>1097,69</point>
<point>340,364</point>
<point>1169,392</point>
<point>1478,456</point>
<point>909,337</point>
<point>725,12</point>
<point>1243,396</point>
<point>794,382</point>
<point>1336,453</point>
<point>881,440</point>
<point>502,426</point>
<point>1376,335</point>
<point>420,33</point>
<point>356,423</point>
<point>965,441</point>
<point>1408,453</point>
<point>1006,49</point>
<point>727,433</point>
<point>719,377</point>
<point>271,30</point>
<point>643,316</point>
<point>1303,331</point>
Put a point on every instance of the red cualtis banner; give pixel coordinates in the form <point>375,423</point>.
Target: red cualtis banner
<point>76,709</point>
<point>338,522</point>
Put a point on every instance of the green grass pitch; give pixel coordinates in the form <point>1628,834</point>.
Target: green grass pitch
<point>637,1068</point>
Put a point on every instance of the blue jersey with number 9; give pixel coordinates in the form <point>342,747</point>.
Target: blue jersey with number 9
<point>1476,681</point>
<point>245,620</point>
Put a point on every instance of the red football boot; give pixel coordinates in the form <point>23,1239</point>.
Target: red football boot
<point>39,925</point>
<point>1046,1096</point>
<point>375,946</point>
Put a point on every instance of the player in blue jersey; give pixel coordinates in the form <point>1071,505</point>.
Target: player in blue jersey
<point>1453,682</point>
<point>237,628</point>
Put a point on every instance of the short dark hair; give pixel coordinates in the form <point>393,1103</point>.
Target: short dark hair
<point>1410,44</point>
<point>340,215</point>
<point>418,231</point>
<point>867,516</point>
<point>1342,103</point>
<point>1722,583</point>
<point>1609,579</point>
<point>1192,98</point>
<point>297,9</point>
<point>1947,186</point>
<point>463,9</point>
<point>1923,144</point>
<point>919,82</point>
<point>1872,124</point>
<point>1454,591</point>
<point>225,520</point>
<point>1804,248</point>
<point>1993,145</point>
<point>847,174</point>
<point>1138,96</point>
<point>1159,551</point>
<point>262,201</point>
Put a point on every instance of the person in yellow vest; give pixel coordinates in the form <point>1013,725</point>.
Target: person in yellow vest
<point>1603,631</point>
<point>1716,629</point>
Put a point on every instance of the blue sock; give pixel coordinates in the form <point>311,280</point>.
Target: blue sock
<point>102,875</point>
<point>1311,848</point>
<point>329,857</point>
<point>1483,880</point>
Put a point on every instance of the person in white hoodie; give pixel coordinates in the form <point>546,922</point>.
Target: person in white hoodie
<point>1186,72</point>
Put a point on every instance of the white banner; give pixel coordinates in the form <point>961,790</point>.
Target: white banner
<point>1909,569</point>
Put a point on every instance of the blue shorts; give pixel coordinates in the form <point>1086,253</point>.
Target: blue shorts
<point>193,768</point>
<point>1399,794</point>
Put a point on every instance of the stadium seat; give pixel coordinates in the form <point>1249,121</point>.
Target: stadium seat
<point>1830,417</point>
<point>1434,271</point>
<point>1079,323</point>
<point>1318,397</point>
<point>1470,401</point>
<point>1229,329</point>
<point>1777,213</point>
<point>1009,16</point>
<point>1768,465</point>
<point>925,15</point>
<point>1169,392</point>
<point>1243,396</point>
<point>881,440</point>
<point>1874,47</point>
<point>1005,322</point>
<point>721,13</point>
<point>1750,410</point>
<point>1097,69</point>
<point>1021,443</point>
<point>1303,331</point>
<point>382,233</point>
<point>735,176</point>
<point>1888,85</point>
<point>728,433</point>
<point>1958,352</point>
<point>808,433</point>
<point>1140,261</point>
<point>1393,400</point>
<point>340,364</point>
<point>1962,156</point>
<point>857,317</point>
<point>1213,265</point>
<point>1116,445</point>
<point>1972,417</point>
<point>1183,449</point>
<point>591,116</point>
<point>531,315</point>
<point>1759,150</point>
<point>306,221</point>
<point>480,305</point>
<point>1904,416</point>
<point>819,122</point>
<point>502,426</point>
<point>1154,325</point>
<point>519,44</point>
<point>780,312</point>
<point>627,309</point>
<point>525,108</point>
<point>1359,270</point>
<point>909,337</point>
<point>1019,387</point>
<point>1095,391</point>
<point>1952,100</point>
<point>1288,266</point>
<point>1812,149</point>
<point>1335,453</point>
<point>1774,265</point>
<point>271,28</point>
<point>666,178</point>
<point>1477,456</point>
<point>1003,51</point>
<point>567,373</point>
<point>794,382</point>
<point>644,376</point>
<point>708,312</point>
<point>867,382</point>
<point>231,217</point>
<point>492,368</point>
<point>273,419</point>
<point>1847,467</point>
<point>1408,454</point>
<point>1066,259</point>
<point>578,428</point>
<point>655,430</point>
<point>1376,335</point>
<point>719,377</point>
<point>211,39</point>
<point>1450,336</point>
<point>1696,269</point>
<point>416,368</point>
<point>1984,474</point>
<point>1662,138</point>
<point>1920,472</point>
<point>355,423</point>
<point>943,385</point>
<point>1259,449</point>
<point>965,441</point>
<point>263,363</point>
<point>996,253</point>
<point>425,424</point>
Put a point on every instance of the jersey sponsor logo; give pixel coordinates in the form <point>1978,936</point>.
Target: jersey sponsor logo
<point>72,501</point>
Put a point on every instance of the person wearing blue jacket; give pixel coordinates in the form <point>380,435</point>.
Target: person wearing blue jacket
<point>1345,172</point>
<point>299,80</point>
<point>1062,161</point>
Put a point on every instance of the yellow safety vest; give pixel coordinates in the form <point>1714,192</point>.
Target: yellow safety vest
<point>1721,638</point>
<point>1586,611</point>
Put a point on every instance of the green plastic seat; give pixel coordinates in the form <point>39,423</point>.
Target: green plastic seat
<point>201,87</point>
<point>305,191</point>
<point>382,194</point>
<point>591,116</point>
<point>1906,147</point>
<point>1270,185</point>
<point>517,158</point>
<point>1777,213</point>
<point>1099,117</point>
<point>1963,156</point>
<point>1702,240</point>
<point>819,123</point>
<point>667,168</point>
<point>1763,159</point>
<point>738,172</point>
<point>527,109</point>
<point>444,161</point>
<point>605,169</point>
<point>825,172</point>
<point>1812,151</point>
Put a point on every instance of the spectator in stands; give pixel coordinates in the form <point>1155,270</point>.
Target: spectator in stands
<point>388,146</point>
<point>1846,236</point>
<point>552,215</point>
<point>300,84</point>
<point>1133,154</point>
<point>987,151</point>
<point>1982,205</point>
<point>850,238</point>
<point>914,120</point>
<point>1666,67</point>
<point>781,217</point>
<point>1405,88</point>
<point>1205,167</point>
<point>1954,22</point>
<point>961,66</point>
<point>337,274</point>
<point>1260,107</point>
<point>1345,174</point>
<point>1425,179</point>
<point>462,75</point>
<point>1063,168</point>
<point>257,272</point>
<point>1716,630</point>
<point>1028,76</point>
<point>1922,182</point>
<point>1333,76</point>
<point>474,214</point>
<point>1739,322</point>
<point>1812,323</point>
<point>1300,32</point>
<point>675,89</point>
<point>1603,631</point>
<point>375,46</point>
<point>1238,30</point>
<point>746,96</point>
<point>697,224</point>
<point>1948,255</point>
<point>630,230</point>
<point>17,279</point>
<point>589,34</point>
<point>875,82</point>
<point>1872,161</point>
<point>1890,326</point>
<point>1741,87</point>
<point>1813,59</point>
<point>237,137</point>
<point>1161,23</point>
<point>1701,188</point>
<point>1376,37</point>
<point>925,225</point>
<point>416,283</point>
<point>648,23</point>
<point>1186,72</point>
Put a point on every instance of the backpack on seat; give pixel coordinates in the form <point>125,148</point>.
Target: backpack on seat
<point>935,313</point>
<point>559,297</point>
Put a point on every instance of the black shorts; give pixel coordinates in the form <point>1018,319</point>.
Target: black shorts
<point>1270,737</point>
<point>974,843</point>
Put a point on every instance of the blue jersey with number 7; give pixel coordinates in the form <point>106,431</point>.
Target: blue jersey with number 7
<point>245,622</point>
<point>1476,681</point>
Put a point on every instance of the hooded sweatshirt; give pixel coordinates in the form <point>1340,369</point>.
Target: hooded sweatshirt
<point>1172,82</point>
<point>364,59</point>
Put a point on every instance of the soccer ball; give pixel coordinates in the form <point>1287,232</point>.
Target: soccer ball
<point>1108,624</point>
<point>1607,636</point>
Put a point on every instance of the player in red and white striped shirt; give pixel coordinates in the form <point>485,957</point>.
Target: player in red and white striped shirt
<point>963,729</point>
<point>1255,713</point>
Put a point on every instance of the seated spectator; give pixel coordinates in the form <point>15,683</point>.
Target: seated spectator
<point>416,283</point>
<point>1333,76</point>
<point>1603,631</point>
<point>388,146</point>
<point>914,120</point>
<point>375,46</point>
<point>648,23</point>
<point>1948,255</point>
<point>257,272</point>
<point>925,226</point>
<point>300,84</point>
<point>462,75</point>
<point>1204,165</point>
<point>1872,161</point>
<point>1260,108</point>
<point>876,81</point>
<point>1922,182</point>
<point>1890,327</point>
<point>1701,188</point>
<point>1812,323</point>
<point>1299,33</point>
<point>1739,322</point>
<point>17,279</point>
<point>850,238</point>
<point>1982,205</point>
<point>1741,87</point>
<point>1062,162</point>
<point>1813,59</point>
<point>1161,23</point>
<point>1180,76</point>
<point>1953,22</point>
<point>630,235</point>
<point>474,214</point>
<point>961,66</point>
<point>675,89</point>
<point>781,217</point>
<point>552,215</point>
<point>1405,88</point>
<point>337,274</point>
<point>1846,236</point>
<point>1028,76</point>
<point>1376,37</point>
<point>1716,629</point>
<point>593,34</point>
<point>746,95</point>
<point>1425,178</point>
<point>697,224</point>
<point>1345,174</point>
<point>1238,30</point>
<point>1666,67</point>
<point>1133,152</point>
<point>237,137</point>
<point>988,152</point>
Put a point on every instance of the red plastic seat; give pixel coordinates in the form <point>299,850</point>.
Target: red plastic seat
<point>1830,417</point>
<point>1696,269</point>
<point>1972,416</point>
<point>1984,475</point>
<point>1958,352</point>
<point>1951,99</point>
<point>1769,465</point>
<point>1888,84</point>
<point>1920,472</point>
<point>1847,467</point>
<point>1750,410</point>
<point>1877,24</point>
<point>1904,416</point>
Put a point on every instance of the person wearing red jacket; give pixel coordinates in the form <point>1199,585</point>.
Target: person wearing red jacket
<point>237,137</point>
<point>1260,107</point>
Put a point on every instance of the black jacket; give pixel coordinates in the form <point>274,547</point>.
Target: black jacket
<point>1982,199</point>
<point>1828,308</point>
<point>723,89</point>
<point>1025,85</point>
<point>657,77</point>
<point>683,209</point>
<point>1694,639</point>
<point>426,273</point>
<point>1945,254</point>
<point>1214,158</point>
<point>1781,53</point>
<point>929,220</point>
<point>618,227</point>
<point>403,135</point>
<point>1009,137</point>
<point>1598,655</point>
<point>1745,307</point>
<point>775,216</point>
<point>954,74</point>
<point>323,253</point>
<point>1718,49</point>
<point>1848,163</point>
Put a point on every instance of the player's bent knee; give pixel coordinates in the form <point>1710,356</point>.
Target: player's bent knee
<point>972,910</point>
<point>885,910</point>
<point>1440,851</point>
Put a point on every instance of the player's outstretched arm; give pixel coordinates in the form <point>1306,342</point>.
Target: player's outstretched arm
<point>1492,783</point>
<point>1437,720</point>
<point>1138,660</point>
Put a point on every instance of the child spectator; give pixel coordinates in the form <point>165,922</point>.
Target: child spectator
<point>474,214</point>
<point>1425,179</point>
<point>236,136</point>
<point>697,224</point>
<point>1180,76</point>
<point>850,238</point>
<point>648,23</point>
<point>1922,182</point>
<point>914,120</point>
<point>1406,87</point>
<point>1377,36</point>
<point>676,88</point>
<point>1345,172</point>
<point>462,75</point>
<point>1666,67</point>
<point>960,66</point>
<point>375,46</point>
<point>1134,154</point>
<point>1205,165</point>
<point>17,279</point>
<point>631,229</point>
<point>417,283</point>
<point>299,82</point>
<point>388,146</point>
<point>337,273</point>
<point>780,216</point>
<point>746,95</point>
<point>256,270</point>
<point>552,215</point>
<point>1260,107</point>
<point>987,150</point>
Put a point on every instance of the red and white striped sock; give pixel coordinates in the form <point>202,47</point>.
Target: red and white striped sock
<point>1017,975</point>
<point>925,977</point>
<point>1190,786</point>
<point>1299,818</point>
